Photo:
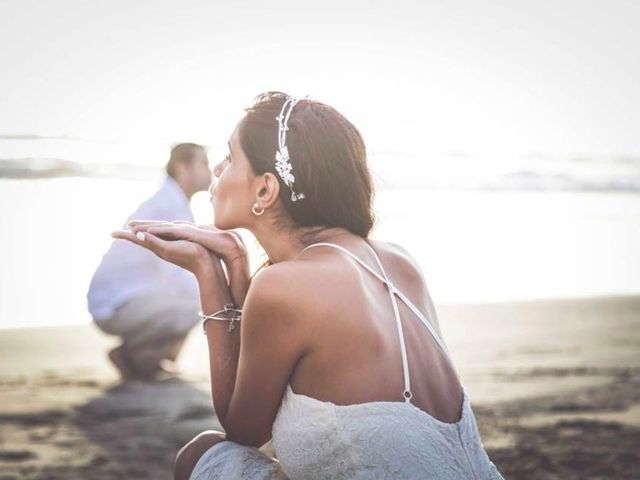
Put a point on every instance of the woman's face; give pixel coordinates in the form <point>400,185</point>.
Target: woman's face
<point>231,193</point>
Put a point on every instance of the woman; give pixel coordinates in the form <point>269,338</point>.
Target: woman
<point>334,359</point>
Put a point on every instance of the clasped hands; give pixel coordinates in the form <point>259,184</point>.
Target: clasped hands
<point>192,247</point>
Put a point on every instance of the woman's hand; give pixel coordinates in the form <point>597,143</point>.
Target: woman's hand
<point>224,244</point>
<point>183,253</point>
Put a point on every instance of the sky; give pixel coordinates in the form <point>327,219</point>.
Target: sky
<point>439,89</point>
<point>512,76</point>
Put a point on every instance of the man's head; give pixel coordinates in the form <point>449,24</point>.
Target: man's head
<point>189,166</point>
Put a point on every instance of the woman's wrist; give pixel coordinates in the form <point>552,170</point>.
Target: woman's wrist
<point>209,270</point>
<point>214,293</point>
<point>237,258</point>
<point>239,278</point>
<point>234,251</point>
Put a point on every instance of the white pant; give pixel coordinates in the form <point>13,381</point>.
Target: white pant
<point>153,322</point>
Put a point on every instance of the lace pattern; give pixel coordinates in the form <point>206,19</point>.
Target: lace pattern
<point>376,440</point>
<point>232,461</point>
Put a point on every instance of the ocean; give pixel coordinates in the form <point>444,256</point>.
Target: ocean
<point>474,245</point>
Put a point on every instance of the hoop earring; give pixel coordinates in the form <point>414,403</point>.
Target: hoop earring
<point>254,210</point>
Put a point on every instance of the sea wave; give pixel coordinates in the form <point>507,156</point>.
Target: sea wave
<point>397,172</point>
<point>32,168</point>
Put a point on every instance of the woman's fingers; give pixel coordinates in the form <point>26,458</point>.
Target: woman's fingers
<point>236,234</point>
<point>174,232</point>
<point>183,253</point>
<point>153,243</point>
<point>170,231</point>
<point>145,227</point>
<point>134,223</point>
<point>144,239</point>
<point>222,243</point>
<point>148,226</point>
<point>126,235</point>
<point>211,227</point>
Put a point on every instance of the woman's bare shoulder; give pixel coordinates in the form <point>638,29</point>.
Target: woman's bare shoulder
<point>298,283</point>
<point>407,274</point>
<point>286,282</point>
<point>399,258</point>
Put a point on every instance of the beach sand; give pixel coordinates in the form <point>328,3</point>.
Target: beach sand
<point>555,386</point>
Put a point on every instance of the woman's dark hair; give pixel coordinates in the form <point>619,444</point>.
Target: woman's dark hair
<point>328,158</point>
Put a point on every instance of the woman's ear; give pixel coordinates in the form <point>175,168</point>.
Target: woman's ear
<point>267,190</point>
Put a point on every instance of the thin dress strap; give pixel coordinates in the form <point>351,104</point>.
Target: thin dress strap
<point>393,291</point>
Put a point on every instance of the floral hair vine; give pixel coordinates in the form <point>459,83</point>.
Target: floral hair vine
<point>283,165</point>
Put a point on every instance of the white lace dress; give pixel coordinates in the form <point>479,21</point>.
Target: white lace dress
<point>318,440</point>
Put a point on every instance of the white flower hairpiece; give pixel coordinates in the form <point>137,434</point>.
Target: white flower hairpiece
<point>283,165</point>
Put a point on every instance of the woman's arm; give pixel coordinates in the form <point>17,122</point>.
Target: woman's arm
<point>224,346</point>
<point>248,376</point>
<point>237,267</point>
<point>251,365</point>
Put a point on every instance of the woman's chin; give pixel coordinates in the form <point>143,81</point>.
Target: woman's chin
<point>225,222</point>
<point>221,224</point>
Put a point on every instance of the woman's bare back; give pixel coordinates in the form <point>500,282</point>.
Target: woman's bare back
<point>352,352</point>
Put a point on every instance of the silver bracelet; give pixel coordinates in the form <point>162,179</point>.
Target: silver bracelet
<point>229,313</point>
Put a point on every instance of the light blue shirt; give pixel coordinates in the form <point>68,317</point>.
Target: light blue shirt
<point>128,270</point>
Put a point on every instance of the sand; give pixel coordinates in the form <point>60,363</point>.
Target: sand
<point>555,386</point>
